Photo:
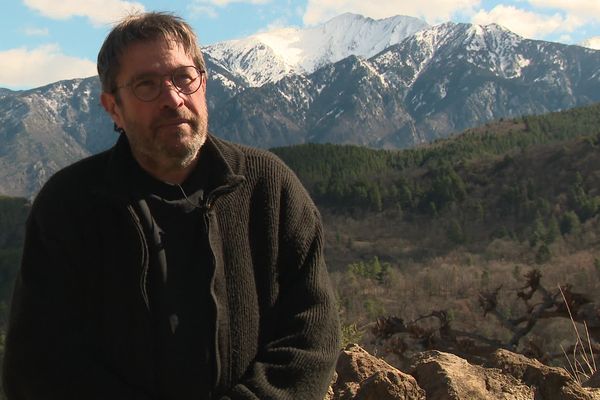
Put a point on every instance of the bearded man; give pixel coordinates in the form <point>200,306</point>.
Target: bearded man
<point>175,265</point>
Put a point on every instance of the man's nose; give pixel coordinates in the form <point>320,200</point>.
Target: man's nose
<point>171,96</point>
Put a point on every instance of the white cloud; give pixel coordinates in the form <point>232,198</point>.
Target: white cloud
<point>592,43</point>
<point>199,10</point>
<point>525,23</point>
<point>433,11</point>
<point>24,68</point>
<point>578,13</point>
<point>98,11</point>
<point>585,9</point>
<point>280,23</point>
<point>208,8</point>
<point>223,3</point>
<point>33,31</point>
<point>565,38</point>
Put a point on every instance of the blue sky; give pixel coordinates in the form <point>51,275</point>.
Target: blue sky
<point>44,41</point>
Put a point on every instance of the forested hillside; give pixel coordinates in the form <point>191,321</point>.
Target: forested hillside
<point>502,179</point>
<point>431,228</point>
<point>421,178</point>
<point>13,213</point>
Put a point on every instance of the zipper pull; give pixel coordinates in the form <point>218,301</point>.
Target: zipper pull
<point>174,322</point>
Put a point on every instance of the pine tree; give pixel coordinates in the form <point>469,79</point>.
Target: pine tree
<point>570,223</point>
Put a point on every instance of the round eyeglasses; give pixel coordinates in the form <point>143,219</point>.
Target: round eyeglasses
<point>148,87</point>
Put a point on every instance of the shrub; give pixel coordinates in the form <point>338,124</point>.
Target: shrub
<point>373,269</point>
<point>543,254</point>
<point>570,223</point>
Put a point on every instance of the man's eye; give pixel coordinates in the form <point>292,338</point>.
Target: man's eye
<point>184,79</point>
<point>145,83</point>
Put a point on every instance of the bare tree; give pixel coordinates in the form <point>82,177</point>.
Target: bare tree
<point>435,331</point>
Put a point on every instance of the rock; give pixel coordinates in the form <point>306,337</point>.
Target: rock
<point>445,376</point>
<point>355,364</point>
<point>361,376</point>
<point>550,383</point>
<point>389,385</point>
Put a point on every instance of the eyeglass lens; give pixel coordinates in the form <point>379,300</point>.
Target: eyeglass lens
<point>185,79</point>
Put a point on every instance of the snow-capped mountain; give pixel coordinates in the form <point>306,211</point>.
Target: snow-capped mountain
<point>270,56</point>
<point>438,81</point>
<point>372,86</point>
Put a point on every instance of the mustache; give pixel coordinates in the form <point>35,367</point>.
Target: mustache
<point>170,115</point>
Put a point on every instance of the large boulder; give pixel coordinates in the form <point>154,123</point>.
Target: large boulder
<point>550,383</point>
<point>445,376</point>
<point>361,376</point>
<point>437,375</point>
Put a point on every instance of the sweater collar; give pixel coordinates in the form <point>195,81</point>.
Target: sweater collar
<point>228,165</point>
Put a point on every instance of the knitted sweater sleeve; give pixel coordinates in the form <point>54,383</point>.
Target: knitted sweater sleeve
<point>298,357</point>
<point>45,354</point>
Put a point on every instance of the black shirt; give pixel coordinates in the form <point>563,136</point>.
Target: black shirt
<point>179,283</point>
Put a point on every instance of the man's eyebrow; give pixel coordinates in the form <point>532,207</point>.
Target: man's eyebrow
<point>144,74</point>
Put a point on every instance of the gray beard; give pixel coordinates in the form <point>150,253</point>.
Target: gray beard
<point>185,157</point>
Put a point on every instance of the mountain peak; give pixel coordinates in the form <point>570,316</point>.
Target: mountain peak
<point>305,50</point>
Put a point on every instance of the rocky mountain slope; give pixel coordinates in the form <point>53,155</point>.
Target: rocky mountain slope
<point>44,129</point>
<point>438,81</point>
<point>384,84</point>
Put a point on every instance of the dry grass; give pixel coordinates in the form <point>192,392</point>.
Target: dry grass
<point>582,364</point>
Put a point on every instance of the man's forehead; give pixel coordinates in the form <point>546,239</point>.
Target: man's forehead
<point>157,44</point>
<point>153,56</point>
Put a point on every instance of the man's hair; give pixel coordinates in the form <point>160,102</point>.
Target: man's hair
<point>141,28</point>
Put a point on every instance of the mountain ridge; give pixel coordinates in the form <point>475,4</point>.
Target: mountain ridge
<point>437,81</point>
<point>441,80</point>
<point>301,51</point>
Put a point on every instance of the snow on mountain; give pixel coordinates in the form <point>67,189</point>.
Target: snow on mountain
<point>251,60</point>
<point>489,46</point>
<point>497,47</point>
<point>440,80</point>
<point>270,56</point>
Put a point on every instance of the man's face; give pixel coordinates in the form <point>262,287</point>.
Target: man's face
<point>164,134</point>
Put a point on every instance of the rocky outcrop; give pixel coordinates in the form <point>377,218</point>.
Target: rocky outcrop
<point>437,375</point>
<point>360,375</point>
<point>445,376</point>
<point>550,383</point>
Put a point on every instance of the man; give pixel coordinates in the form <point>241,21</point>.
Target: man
<point>174,265</point>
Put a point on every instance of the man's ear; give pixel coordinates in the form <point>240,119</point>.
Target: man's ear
<point>204,78</point>
<point>109,102</point>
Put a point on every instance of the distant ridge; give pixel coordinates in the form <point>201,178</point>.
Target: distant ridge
<point>398,83</point>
